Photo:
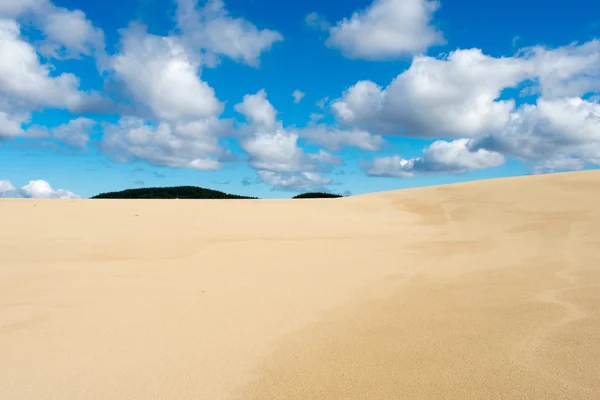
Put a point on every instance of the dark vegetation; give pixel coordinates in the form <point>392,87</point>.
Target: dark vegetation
<point>192,192</point>
<point>176,192</point>
<point>317,195</point>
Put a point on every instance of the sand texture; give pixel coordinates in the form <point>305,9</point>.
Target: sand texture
<point>481,290</point>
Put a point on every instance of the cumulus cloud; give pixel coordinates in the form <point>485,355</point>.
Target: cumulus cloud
<point>257,110</point>
<point>386,29</point>
<point>13,9</point>
<point>42,189</point>
<point>7,189</point>
<point>34,189</point>
<point>162,76</point>
<point>25,81</point>
<point>461,94</point>
<point>273,150</point>
<point>270,146</point>
<point>334,138</point>
<point>453,157</point>
<point>554,134</point>
<point>27,84</point>
<point>68,33</point>
<point>327,158</point>
<point>551,135</point>
<point>276,151</point>
<point>176,122</point>
<point>567,71</point>
<point>360,105</point>
<point>298,96</point>
<point>75,133</point>
<point>210,28</point>
<point>464,95</point>
<point>11,123</point>
<point>192,144</point>
<point>556,164</point>
<point>454,96</point>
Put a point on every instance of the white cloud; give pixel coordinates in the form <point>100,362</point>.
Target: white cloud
<point>554,134</point>
<point>15,8</point>
<point>360,105</point>
<point>297,95</point>
<point>42,189</point>
<point>11,123</point>
<point>558,164</point>
<point>75,133</point>
<point>163,76</point>
<point>567,71</point>
<point>333,138</point>
<point>269,145</point>
<point>68,33</point>
<point>258,110</point>
<point>25,81</point>
<point>455,96</point>
<point>324,157</point>
<point>295,182</point>
<point>441,156</point>
<point>7,190</point>
<point>386,29</point>
<point>212,29</point>
<point>192,144</point>
<point>276,150</point>
<point>281,162</point>
<point>391,166</point>
<point>273,150</point>
<point>27,85</point>
<point>461,94</point>
<point>34,189</point>
<point>464,95</point>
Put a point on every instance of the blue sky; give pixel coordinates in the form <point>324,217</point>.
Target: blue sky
<point>103,96</point>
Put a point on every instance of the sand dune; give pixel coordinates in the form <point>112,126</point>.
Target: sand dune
<point>481,290</point>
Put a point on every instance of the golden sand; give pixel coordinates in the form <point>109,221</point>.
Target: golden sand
<point>480,290</point>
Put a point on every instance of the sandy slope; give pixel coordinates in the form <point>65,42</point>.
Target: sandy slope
<point>484,290</point>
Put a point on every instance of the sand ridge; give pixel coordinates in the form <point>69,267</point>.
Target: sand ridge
<point>484,289</point>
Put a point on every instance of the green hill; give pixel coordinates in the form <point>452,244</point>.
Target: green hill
<point>175,192</point>
<point>317,195</point>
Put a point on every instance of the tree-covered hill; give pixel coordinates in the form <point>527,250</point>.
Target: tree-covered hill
<point>175,192</point>
<point>317,195</point>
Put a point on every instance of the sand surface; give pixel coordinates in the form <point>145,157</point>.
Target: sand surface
<point>481,290</point>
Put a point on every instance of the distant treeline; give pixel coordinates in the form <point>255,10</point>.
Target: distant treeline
<point>190,192</point>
